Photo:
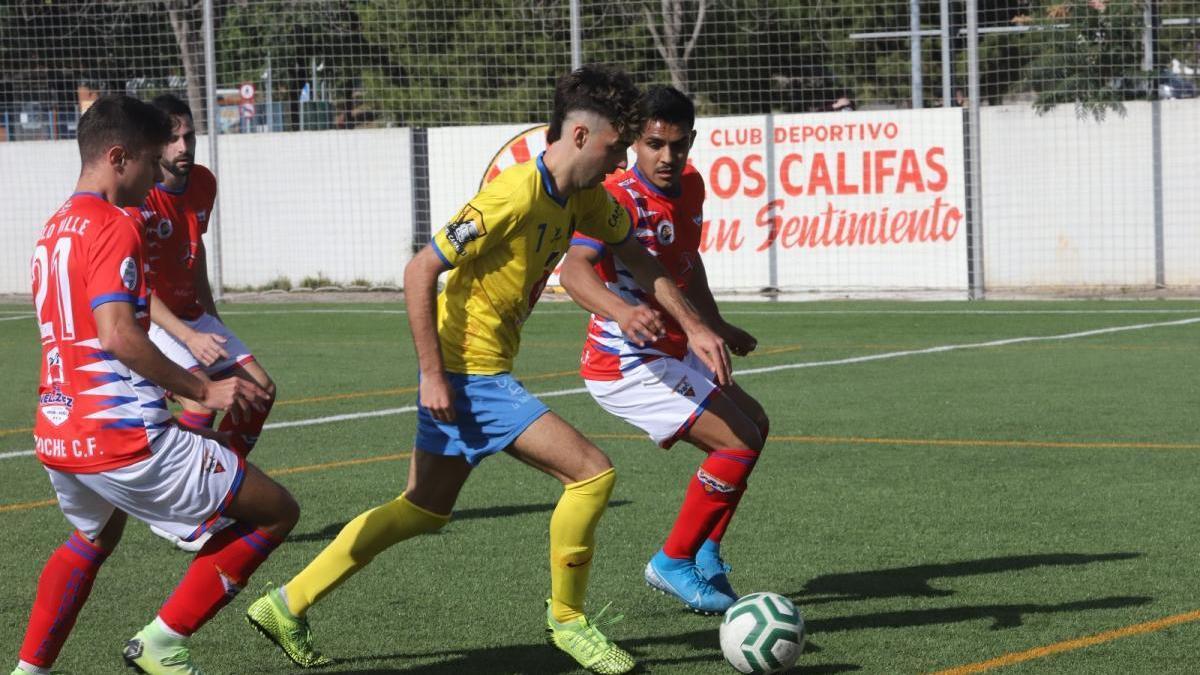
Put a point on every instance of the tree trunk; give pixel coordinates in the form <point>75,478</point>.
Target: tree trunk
<point>671,39</point>
<point>187,23</point>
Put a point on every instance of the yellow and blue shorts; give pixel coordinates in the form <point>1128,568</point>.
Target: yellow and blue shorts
<point>491,412</point>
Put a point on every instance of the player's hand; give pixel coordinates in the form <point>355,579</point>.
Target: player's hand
<point>207,347</point>
<point>437,397</point>
<point>711,349</point>
<point>235,396</point>
<point>641,324</point>
<point>739,341</point>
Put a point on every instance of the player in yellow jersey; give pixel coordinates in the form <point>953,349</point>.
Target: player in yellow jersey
<point>498,252</point>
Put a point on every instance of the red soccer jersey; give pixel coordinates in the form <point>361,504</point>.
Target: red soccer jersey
<point>94,413</point>
<point>669,227</point>
<point>175,222</point>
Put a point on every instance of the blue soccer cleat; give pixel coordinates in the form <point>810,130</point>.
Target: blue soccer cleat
<point>682,579</point>
<point>714,569</point>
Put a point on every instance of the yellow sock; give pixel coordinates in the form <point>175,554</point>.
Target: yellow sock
<point>572,540</point>
<point>357,545</point>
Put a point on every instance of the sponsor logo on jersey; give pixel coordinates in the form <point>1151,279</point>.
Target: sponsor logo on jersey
<point>54,372</point>
<point>666,233</point>
<point>466,227</point>
<point>56,406</point>
<point>129,273</point>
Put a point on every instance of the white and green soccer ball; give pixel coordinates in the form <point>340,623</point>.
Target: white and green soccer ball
<point>762,633</point>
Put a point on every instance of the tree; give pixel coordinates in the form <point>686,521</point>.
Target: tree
<point>675,29</point>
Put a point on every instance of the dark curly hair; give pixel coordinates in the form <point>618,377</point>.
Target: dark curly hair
<point>602,89</point>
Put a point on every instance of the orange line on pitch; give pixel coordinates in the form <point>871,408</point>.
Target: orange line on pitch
<point>26,506</point>
<point>6,432</point>
<point>334,465</point>
<point>831,440</point>
<point>1071,645</point>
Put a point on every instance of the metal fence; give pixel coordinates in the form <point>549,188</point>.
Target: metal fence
<point>1079,137</point>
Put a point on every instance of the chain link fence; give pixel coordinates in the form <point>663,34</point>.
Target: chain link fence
<point>863,146</point>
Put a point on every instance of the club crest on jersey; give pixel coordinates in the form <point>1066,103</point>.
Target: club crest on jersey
<point>685,388</point>
<point>56,406</point>
<point>163,228</point>
<point>666,232</point>
<point>466,227</point>
<point>210,464</point>
<point>129,273</point>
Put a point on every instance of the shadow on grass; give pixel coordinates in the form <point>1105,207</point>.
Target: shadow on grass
<point>542,658</point>
<point>330,531</point>
<point>915,581</point>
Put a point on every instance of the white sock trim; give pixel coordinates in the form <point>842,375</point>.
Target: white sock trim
<point>162,625</point>
<point>32,669</point>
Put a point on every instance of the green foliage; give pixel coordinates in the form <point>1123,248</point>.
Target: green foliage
<point>1101,49</point>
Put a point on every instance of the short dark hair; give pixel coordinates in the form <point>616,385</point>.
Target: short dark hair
<point>669,105</point>
<point>171,105</point>
<point>604,90</point>
<point>117,119</point>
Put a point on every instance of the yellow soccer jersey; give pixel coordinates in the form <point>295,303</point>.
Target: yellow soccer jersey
<point>502,246</point>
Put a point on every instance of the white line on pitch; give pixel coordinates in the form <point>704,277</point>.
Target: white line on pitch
<point>751,371</point>
<point>16,318</point>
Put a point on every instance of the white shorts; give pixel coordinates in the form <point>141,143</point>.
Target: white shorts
<point>183,487</point>
<point>239,353</point>
<point>662,397</point>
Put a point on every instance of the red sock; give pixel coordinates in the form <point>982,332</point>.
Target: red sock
<point>219,571</point>
<point>718,531</point>
<point>64,586</point>
<point>245,433</point>
<point>712,493</point>
<point>197,420</point>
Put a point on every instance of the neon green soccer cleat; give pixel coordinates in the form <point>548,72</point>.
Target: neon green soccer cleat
<point>587,645</point>
<point>269,615</point>
<point>153,653</point>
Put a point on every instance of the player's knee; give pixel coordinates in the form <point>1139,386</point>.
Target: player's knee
<point>764,424</point>
<point>287,512</point>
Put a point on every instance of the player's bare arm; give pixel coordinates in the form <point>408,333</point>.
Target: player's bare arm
<point>121,336</point>
<point>206,347</point>
<point>203,288</point>
<point>650,275</point>
<point>739,341</point>
<point>639,323</point>
<point>420,296</point>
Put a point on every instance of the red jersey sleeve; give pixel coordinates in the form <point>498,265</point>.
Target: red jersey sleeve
<point>115,264</point>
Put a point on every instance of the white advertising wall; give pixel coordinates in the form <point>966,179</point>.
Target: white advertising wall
<point>867,201</point>
<point>1069,201</point>
<point>334,204</point>
<point>871,201</point>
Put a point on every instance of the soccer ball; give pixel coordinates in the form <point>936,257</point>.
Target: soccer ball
<point>762,633</point>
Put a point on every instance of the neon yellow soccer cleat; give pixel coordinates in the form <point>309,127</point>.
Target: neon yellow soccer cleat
<point>269,615</point>
<point>587,645</point>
